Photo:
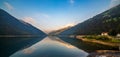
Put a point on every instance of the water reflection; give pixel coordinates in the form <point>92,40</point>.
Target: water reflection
<point>87,46</point>
<point>51,47</point>
<point>10,45</point>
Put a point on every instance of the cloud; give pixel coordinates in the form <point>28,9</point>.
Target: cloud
<point>29,20</point>
<point>8,6</point>
<point>71,1</point>
<point>33,22</point>
<point>45,15</point>
<point>114,3</point>
<point>67,25</point>
<point>41,16</point>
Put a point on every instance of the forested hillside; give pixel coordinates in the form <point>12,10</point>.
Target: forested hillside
<point>108,21</point>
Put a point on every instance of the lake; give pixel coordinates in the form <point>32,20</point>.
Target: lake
<point>51,47</point>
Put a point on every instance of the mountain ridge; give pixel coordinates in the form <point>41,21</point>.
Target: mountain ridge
<point>12,26</point>
<point>16,34</point>
<point>104,22</point>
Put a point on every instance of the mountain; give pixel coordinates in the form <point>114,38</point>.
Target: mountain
<point>56,32</point>
<point>16,34</point>
<point>9,25</point>
<point>108,21</point>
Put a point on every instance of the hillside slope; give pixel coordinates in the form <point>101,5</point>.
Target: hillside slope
<point>12,26</point>
<point>9,25</point>
<point>108,21</point>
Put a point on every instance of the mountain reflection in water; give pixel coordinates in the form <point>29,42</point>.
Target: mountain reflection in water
<point>51,47</point>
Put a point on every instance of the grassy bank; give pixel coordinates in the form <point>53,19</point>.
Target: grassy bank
<point>105,40</point>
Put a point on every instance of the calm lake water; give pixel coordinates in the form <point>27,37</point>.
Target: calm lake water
<point>51,47</point>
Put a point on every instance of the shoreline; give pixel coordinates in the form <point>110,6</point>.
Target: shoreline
<point>99,42</point>
<point>104,53</point>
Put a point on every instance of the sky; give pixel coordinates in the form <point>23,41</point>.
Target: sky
<point>49,15</point>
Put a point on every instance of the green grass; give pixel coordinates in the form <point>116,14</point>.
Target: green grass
<point>115,40</point>
<point>103,38</point>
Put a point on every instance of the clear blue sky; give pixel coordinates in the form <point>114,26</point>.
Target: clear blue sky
<point>50,15</point>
